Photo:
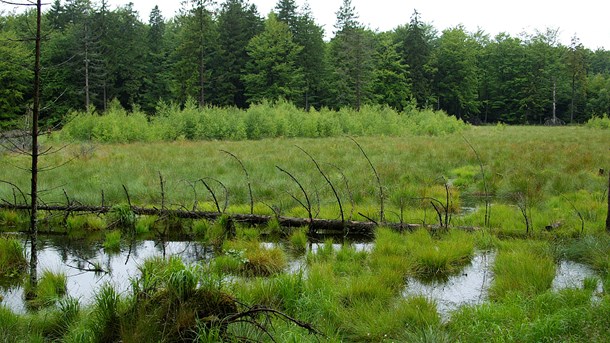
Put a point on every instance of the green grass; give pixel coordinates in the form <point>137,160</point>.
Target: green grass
<point>112,241</point>
<point>548,166</point>
<point>522,267</point>
<point>51,287</point>
<point>349,295</point>
<point>12,260</point>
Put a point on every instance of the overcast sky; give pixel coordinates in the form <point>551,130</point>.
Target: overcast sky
<point>587,19</point>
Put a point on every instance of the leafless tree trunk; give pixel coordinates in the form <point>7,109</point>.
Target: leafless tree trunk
<point>35,152</point>
<point>608,214</point>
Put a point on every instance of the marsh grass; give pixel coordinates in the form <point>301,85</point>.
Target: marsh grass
<point>112,241</point>
<point>11,219</point>
<point>51,288</point>
<point>434,257</point>
<point>12,260</point>
<point>386,321</point>
<point>89,222</point>
<point>298,240</point>
<point>593,250</point>
<point>522,267</point>
<point>410,168</point>
<point>567,315</point>
<point>250,258</point>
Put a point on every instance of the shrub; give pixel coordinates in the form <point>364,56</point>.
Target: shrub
<point>602,122</point>
<point>264,120</point>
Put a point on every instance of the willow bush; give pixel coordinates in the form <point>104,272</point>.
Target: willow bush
<point>264,120</point>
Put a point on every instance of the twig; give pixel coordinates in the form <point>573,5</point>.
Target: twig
<point>212,193</point>
<point>247,179</point>
<point>381,210</point>
<point>308,206</point>
<point>327,181</point>
<point>485,188</point>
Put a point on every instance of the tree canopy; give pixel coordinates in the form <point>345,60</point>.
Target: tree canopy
<point>226,54</point>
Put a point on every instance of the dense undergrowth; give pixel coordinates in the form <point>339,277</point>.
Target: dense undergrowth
<point>260,121</point>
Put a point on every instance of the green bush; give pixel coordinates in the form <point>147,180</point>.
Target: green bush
<point>260,121</point>
<point>602,122</point>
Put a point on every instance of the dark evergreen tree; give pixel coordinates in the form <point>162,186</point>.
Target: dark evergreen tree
<point>238,22</point>
<point>351,57</point>
<point>155,86</point>
<point>456,73</point>
<point>310,36</point>
<point>194,54</point>
<point>272,72</point>
<point>415,47</point>
<point>390,79</point>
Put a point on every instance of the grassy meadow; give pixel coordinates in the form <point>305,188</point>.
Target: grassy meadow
<point>554,173</point>
<point>553,178</point>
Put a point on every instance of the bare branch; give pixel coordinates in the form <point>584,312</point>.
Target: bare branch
<point>381,210</point>
<point>247,179</point>
<point>327,181</point>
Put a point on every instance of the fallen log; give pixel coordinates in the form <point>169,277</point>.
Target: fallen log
<point>316,225</point>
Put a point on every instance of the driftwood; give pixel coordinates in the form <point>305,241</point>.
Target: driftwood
<point>318,226</point>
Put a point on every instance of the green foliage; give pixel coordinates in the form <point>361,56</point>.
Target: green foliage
<point>264,120</point>
<point>602,122</point>
<point>14,77</point>
<point>12,259</point>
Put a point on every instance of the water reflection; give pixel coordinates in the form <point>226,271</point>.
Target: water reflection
<point>469,287</point>
<point>81,262</point>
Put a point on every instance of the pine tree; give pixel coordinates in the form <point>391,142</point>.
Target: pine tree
<point>390,78</point>
<point>272,73</point>
<point>238,22</point>
<point>415,49</point>
<point>351,52</point>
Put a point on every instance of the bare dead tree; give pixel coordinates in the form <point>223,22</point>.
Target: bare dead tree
<point>608,214</point>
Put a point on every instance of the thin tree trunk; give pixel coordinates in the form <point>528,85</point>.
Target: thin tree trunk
<point>34,169</point>
<point>608,214</point>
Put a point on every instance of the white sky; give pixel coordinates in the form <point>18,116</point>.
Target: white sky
<point>587,19</point>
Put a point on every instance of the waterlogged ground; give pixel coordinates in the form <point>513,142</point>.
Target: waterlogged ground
<point>77,260</point>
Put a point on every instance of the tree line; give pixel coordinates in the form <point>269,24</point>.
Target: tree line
<point>229,55</point>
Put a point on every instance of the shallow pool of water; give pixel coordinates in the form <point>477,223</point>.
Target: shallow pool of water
<point>77,261</point>
<point>469,287</point>
<point>572,275</point>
